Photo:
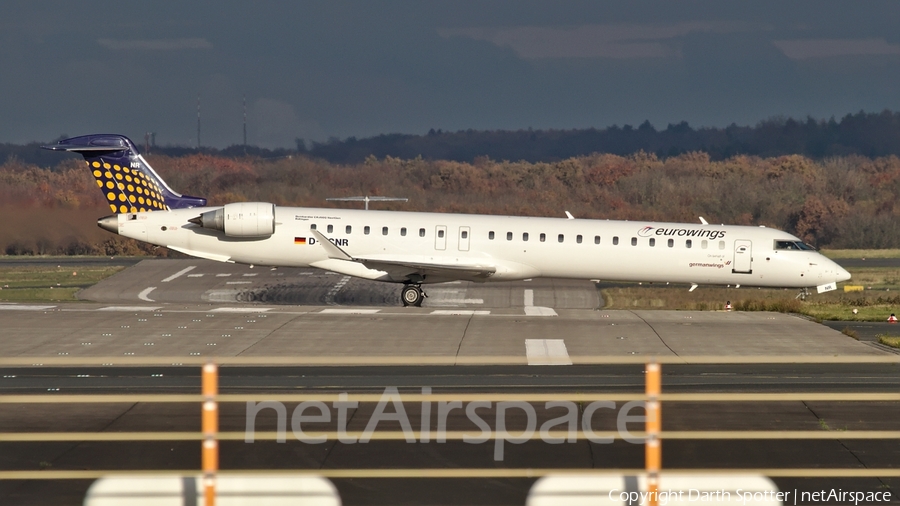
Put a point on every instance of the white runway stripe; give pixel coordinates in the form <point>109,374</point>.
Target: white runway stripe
<point>459,312</point>
<point>144,295</point>
<point>182,272</point>
<point>547,352</point>
<point>239,309</point>
<point>350,311</point>
<point>529,298</point>
<point>129,308</point>
<point>532,310</point>
<point>24,308</point>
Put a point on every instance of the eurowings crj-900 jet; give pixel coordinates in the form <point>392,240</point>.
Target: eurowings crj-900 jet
<point>415,248</point>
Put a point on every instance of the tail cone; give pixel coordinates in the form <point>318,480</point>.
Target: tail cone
<point>109,223</point>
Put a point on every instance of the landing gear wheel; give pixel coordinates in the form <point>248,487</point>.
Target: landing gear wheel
<point>412,295</point>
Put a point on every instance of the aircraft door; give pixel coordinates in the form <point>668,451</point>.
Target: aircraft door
<point>464,238</point>
<point>440,237</point>
<point>743,257</point>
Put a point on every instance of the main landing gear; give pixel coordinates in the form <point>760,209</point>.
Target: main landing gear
<point>804,292</point>
<point>412,295</point>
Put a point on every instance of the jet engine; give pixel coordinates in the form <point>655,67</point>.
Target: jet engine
<point>241,219</point>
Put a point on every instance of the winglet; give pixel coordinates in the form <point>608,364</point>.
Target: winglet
<point>333,251</point>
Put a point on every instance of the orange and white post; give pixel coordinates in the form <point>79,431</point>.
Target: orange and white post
<point>652,446</point>
<point>210,422</point>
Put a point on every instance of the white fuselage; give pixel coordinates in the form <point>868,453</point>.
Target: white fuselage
<point>555,247</point>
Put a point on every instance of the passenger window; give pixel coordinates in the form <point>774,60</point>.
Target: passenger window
<point>652,242</point>
<point>596,239</point>
<point>384,231</point>
<point>491,235</point>
<point>721,244</point>
<point>578,239</point>
<point>704,243</point>
<point>525,236</point>
<point>634,241</point>
<point>349,229</point>
<point>543,237</point>
<point>671,243</point>
<point>421,232</point>
<point>330,228</point>
<point>561,238</point>
<point>440,234</point>
<point>615,241</point>
<point>313,226</point>
<point>509,236</point>
<point>687,244</point>
<point>465,235</point>
<point>366,230</point>
<point>403,231</point>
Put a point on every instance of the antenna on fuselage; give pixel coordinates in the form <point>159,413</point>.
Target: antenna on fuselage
<point>703,221</point>
<point>368,199</point>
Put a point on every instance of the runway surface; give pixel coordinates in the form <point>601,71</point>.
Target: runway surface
<point>206,281</point>
<point>192,311</point>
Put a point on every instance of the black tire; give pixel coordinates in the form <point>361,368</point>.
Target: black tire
<point>411,296</point>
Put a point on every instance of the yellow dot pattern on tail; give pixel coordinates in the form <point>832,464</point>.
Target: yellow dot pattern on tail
<point>127,190</point>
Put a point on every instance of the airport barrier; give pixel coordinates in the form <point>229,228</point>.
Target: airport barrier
<point>651,479</point>
<point>184,490</point>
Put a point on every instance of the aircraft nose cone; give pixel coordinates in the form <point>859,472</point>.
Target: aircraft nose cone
<point>842,274</point>
<point>109,223</point>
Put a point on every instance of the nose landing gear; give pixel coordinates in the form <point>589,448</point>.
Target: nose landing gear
<point>412,295</point>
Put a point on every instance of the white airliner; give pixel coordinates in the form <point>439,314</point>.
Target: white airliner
<point>421,248</point>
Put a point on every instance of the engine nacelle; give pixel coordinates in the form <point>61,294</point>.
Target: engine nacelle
<point>241,219</point>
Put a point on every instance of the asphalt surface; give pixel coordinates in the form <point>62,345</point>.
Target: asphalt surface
<point>205,316</point>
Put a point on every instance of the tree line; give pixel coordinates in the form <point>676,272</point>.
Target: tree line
<point>866,134</point>
<point>837,202</point>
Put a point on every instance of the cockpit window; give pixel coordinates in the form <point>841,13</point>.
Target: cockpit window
<point>793,245</point>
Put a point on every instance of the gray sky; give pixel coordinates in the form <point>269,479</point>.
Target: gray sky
<point>321,69</point>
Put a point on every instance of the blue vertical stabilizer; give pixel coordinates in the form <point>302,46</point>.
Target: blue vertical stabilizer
<point>126,179</point>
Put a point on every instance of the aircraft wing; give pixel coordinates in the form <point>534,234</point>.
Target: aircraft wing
<point>400,268</point>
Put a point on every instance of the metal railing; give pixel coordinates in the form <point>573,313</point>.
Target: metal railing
<point>652,396</point>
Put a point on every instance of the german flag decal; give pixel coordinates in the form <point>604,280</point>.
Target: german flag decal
<point>299,240</point>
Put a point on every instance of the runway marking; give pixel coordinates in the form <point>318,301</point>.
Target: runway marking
<point>547,352</point>
<point>180,273</point>
<point>129,308</point>
<point>195,275</point>
<point>239,309</point>
<point>329,297</point>
<point>540,311</point>
<point>25,308</point>
<point>462,301</point>
<point>250,275</point>
<point>223,275</point>
<point>461,312</point>
<point>145,292</point>
<point>532,310</point>
<point>238,282</point>
<point>350,311</point>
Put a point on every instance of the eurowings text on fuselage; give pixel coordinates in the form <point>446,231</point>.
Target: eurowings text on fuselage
<point>420,248</point>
